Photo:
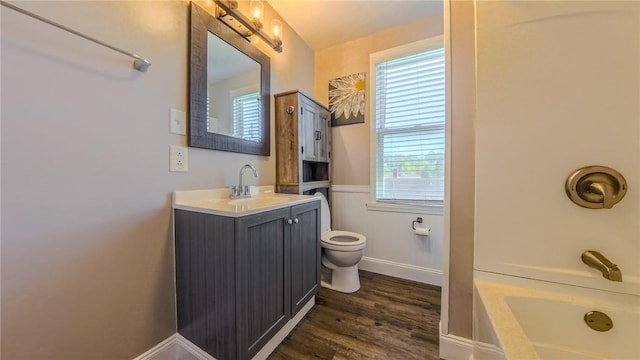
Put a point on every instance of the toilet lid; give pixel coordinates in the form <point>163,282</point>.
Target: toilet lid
<point>343,240</point>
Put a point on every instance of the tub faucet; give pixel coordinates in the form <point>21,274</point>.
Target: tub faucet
<point>240,190</point>
<point>609,270</point>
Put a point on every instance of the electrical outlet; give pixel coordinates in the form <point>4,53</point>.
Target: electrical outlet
<point>177,122</point>
<point>178,159</point>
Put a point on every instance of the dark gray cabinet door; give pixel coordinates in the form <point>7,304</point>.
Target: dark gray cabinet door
<point>263,289</point>
<point>205,281</point>
<point>305,254</point>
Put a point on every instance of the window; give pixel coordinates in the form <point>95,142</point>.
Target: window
<point>246,117</point>
<point>409,110</point>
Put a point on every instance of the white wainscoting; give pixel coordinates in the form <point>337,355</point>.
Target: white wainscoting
<point>393,248</point>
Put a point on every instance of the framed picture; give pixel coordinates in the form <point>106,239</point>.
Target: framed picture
<point>346,99</point>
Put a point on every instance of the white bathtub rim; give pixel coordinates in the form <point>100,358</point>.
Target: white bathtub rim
<point>511,337</point>
<point>494,290</point>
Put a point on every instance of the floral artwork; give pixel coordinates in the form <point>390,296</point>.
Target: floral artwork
<point>346,99</point>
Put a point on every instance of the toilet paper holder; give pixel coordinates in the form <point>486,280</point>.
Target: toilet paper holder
<point>413,223</point>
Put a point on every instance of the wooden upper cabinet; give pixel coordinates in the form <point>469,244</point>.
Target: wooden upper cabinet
<point>303,143</point>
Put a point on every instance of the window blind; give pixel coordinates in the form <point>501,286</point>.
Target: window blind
<point>410,119</point>
<point>246,117</point>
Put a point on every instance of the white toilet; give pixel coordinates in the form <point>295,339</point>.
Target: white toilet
<point>341,253</point>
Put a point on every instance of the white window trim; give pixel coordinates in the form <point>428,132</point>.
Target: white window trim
<point>431,207</point>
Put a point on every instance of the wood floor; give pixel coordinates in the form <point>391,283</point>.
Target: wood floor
<point>388,318</point>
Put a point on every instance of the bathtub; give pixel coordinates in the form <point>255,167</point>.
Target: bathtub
<point>517,318</point>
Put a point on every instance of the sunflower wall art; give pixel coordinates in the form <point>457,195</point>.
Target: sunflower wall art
<point>346,99</point>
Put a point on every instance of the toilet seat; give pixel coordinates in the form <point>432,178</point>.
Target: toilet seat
<point>328,242</point>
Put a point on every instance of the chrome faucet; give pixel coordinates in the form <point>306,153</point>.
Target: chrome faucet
<point>609,270</point>
<point>243,190</point>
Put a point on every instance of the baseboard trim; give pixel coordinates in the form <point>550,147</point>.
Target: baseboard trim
<point>403,271</point>
<point>180,341</point>
<point>154,351</point>
<point>190,347</point>
<point>455,348</point>
<point>484,351</point>
<point>286,329</point>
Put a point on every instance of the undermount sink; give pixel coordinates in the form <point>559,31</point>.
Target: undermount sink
<point>218,202</point>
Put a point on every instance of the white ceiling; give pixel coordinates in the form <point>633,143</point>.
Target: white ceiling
<point>323,23</point>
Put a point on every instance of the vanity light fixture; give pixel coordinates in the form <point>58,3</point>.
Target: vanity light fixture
<point>229,14</point>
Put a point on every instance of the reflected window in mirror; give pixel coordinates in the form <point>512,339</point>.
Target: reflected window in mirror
<point>247,123</point>
<point>229,97</point>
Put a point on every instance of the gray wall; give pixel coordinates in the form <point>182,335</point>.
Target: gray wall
<point>87,253</point>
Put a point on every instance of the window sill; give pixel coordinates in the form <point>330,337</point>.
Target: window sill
<point>424,209</point>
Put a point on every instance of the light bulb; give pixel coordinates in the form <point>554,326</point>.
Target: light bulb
<point>276,30</point>
<point>257,11</point>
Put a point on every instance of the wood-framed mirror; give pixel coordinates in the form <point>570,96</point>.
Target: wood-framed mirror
<point>229,89</point>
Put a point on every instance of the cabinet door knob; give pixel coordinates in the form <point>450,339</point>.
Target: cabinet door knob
<point>289,221</point>
<point>296,220</point>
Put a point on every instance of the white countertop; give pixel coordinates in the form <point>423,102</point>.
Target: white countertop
<point>218,202</point>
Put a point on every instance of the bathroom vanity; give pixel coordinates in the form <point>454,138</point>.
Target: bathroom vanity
<point>244,267</point>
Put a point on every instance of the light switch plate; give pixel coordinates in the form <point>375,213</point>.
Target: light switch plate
<point>178,159</point>
<point>177,122</point>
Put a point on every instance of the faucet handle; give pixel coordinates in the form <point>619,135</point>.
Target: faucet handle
<point>596,187</point>
<point>607,191</point>
<point>246,190</point>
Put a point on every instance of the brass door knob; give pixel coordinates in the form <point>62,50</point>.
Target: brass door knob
<point>596,187</point>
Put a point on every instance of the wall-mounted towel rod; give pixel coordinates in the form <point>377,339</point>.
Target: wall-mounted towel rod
<point>140,63</point>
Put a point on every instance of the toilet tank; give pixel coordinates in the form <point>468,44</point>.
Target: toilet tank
<point>325,213</point>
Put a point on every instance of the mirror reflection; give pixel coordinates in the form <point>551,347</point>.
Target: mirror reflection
<point>233,92</point>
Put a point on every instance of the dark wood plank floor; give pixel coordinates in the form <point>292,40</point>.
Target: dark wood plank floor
<point>388,318</point>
